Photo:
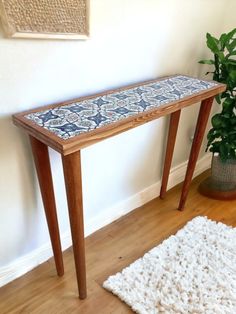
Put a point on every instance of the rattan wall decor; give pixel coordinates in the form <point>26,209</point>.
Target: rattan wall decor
<point>62,19</point>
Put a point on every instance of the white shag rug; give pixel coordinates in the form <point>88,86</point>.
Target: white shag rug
<point>191,272</point>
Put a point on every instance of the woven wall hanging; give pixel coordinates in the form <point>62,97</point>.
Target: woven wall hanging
<point>59,19</point>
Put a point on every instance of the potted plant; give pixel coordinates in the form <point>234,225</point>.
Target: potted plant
<point>222,135</point>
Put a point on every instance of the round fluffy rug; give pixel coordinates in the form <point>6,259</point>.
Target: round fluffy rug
<point>191,272</point>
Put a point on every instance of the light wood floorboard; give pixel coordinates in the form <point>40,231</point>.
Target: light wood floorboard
<point>108,251</point>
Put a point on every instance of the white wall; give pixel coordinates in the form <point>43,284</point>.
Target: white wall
<point>130,41</point>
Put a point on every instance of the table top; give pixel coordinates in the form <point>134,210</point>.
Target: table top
<point>72,125</point>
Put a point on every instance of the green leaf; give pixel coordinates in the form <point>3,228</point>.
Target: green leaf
<point>226,39</point>
<point>232,132</point>
<point>212,43</point>
<point>226,115</point>
<point>218,98</point>
<point>206,62</point>
<point>231,46</point>
<point>228,104</point>
<point>233,121</point>
<point>215,147</point>
<point>223,40</point>
<point>221,55</point>
<point>223,150</point>
<point>231,34</point>
<point>217,121</point>
<point>232,76</point>
<point>231,61</point>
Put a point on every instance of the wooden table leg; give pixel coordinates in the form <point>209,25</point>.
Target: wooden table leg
<point>43,168</point>
<point>73,182</point>
<point>196,145</point>
<point>173,127</point>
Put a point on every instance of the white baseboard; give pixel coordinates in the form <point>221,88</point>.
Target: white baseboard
<point>177,174</point>
<point>26,263</point>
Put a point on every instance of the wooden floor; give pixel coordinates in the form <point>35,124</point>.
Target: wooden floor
<point>108,251</point>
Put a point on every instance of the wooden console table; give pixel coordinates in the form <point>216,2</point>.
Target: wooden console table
<point>70,126</point>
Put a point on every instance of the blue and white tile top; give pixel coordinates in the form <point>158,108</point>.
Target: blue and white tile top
<point>70,120</point>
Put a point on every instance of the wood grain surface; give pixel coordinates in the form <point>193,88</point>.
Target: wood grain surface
<point>43,168</point>
<point>173,128</point>
<point>73,183</point>
<point>203,116</point>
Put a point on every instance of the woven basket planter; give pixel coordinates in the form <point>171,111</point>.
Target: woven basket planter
<point>221,184</point>
<point>223,171</point>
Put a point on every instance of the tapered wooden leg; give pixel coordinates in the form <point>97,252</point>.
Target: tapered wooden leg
<point>43,168</point>
<point>72,174</point>
<point>196,145</point>
<point>173,127</point>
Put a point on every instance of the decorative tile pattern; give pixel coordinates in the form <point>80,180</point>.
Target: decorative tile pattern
<point>70,120</point>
